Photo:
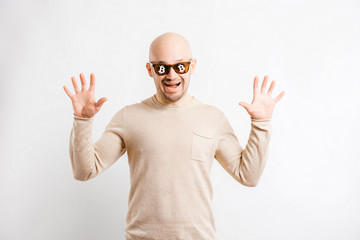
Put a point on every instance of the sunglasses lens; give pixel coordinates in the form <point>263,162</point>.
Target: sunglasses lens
<point>161,69</point>
<point>182,68</point>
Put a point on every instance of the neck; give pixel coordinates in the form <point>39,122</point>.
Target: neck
<point>184,100</point>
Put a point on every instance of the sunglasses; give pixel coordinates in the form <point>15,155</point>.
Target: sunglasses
<point>163,69</point>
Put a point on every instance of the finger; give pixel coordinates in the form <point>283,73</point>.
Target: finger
<point>76,88</point>
<point>271,87</point>
<point>256,85</point>
<point>68,92</point>
<point>263,86</point>
<point>245,105</point>
<point>83,82</point>
<point>280,96</point>
<point>92,82</point>
<point>100,102</point>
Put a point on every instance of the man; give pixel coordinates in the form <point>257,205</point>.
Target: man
<point>171,139</point>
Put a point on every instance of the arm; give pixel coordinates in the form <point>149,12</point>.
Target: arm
<point>89,159</point>
<point>246,165</point>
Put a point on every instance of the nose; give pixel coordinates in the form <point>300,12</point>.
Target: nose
<point>172,74</point>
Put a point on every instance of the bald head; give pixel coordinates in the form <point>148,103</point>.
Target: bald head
<point>169,47</point>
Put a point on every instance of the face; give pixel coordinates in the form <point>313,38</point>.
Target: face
<point>170,49</point>
<point>171,87</point>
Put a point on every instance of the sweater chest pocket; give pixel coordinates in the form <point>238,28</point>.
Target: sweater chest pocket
<point>203,147</point>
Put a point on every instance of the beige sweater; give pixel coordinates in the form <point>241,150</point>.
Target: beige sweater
<point>170,153</point>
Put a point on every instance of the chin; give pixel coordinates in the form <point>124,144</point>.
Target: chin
<point>173,98</point>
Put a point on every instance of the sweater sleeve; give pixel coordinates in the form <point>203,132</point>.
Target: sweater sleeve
<point>244,165</point>
<point>88,159</point>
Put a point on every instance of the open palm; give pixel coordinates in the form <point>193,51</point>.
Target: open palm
<point>83,101</point>
<point>263,104</point>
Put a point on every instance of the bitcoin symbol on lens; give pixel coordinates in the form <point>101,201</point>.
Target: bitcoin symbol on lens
<point>161,69</point>
<point>181,68</point>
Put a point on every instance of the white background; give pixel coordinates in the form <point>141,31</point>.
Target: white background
<point>310,188</point>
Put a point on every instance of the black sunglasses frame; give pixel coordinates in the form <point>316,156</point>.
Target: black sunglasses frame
<point>168,66</point>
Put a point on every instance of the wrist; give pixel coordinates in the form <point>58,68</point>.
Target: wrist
<point>82,117</point>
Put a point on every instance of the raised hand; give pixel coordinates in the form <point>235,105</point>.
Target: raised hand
<point>263,104</point>
<point>83,101</point>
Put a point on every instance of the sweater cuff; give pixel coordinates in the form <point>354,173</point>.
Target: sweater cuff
<point>82,118</point>
<point>262,124</point>
<point>260,120</point>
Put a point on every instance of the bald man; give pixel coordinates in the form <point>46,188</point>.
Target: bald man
<point>171,139</point>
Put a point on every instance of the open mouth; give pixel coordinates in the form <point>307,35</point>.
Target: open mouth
<point>172,85</point>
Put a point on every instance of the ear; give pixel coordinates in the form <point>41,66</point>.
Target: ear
<point>148,67</point>
<point>193,65</point>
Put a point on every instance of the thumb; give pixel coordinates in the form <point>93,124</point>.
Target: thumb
<point>100,102</point>
<point>245,105</point>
